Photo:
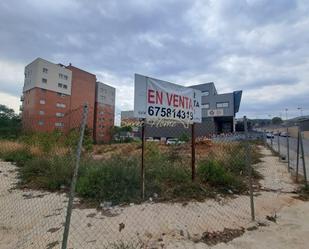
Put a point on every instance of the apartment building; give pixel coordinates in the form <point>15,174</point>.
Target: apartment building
<point>105,112</point>
<point>53,95</point>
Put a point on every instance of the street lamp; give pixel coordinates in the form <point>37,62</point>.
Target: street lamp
<point>286,113</point>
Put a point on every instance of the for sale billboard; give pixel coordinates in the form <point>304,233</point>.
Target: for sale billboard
<point>158,99</point>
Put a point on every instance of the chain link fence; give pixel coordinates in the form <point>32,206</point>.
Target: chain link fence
<point>176,185</point>
<point>293,148</point>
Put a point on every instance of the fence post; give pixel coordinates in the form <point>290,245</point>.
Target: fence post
<point>74,179</point>
<point>303,157</point>
<point>193,151</point>
<point>248,162</point>
<point>279,144</point>
<point>297,156</point>
<point>143,160</point>
<point>288,147</point>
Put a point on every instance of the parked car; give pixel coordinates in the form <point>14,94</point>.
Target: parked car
<point>150,139</point>
<point>174,141</point>
<point>269,135</point>
<point>284,134</point>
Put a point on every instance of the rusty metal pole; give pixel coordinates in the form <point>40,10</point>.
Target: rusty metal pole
<point>143,159</point>
<point>74,178</point>
<point>193,151</point>
<point>249,168</point>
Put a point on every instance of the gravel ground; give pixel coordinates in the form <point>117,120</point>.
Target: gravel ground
<point>34,219</point>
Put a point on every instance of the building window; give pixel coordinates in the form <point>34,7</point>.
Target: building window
<point>64,86</point>
<point>41,122</point>
<point>59,124</point>
<point>60,105</point>
<point>41,112</point>
<point>43,90</point>
<point>205,93</point>
<point>42,101</point>
<point>101,112</point>
<point>45,70</point>
<point>59,114</point>
<point>222,104</point>
<point>206,105</point>
<point>63,76</point>
<point>44,81</point>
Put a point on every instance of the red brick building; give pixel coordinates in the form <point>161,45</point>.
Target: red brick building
<point>53,96</point>
<point>104,112</point>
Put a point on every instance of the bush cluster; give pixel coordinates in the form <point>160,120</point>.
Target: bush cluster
<point>118,178</point>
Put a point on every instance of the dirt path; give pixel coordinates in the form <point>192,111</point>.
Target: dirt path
<point>34,219</point>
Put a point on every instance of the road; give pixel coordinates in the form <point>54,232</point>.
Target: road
<point>279,144</point>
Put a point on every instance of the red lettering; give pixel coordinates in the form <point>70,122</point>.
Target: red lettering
<point>176,100</point>
<point>181,101</point>
<point>159,96</point>
<point>151,96</point>
<point>190,104</point>
<point>186,99</point>
<point>169,98</point>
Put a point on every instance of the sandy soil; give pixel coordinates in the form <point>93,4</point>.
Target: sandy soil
<point>34,219</point>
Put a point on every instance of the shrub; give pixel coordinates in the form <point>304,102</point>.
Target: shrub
<point>46,141</point>
<point>20,156</point>
<point>213,173</point>
<point>116,179</point>
<point>72,138</point>
<point>184,137</point>
<point>47,173</point>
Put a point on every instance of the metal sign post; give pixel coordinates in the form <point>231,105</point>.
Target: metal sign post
<point>193,151</point>
<point>143,159</point>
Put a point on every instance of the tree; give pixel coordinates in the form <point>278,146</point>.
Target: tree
<point>10,123</point>
<point>276,121</point>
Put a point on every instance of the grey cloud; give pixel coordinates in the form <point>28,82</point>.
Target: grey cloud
<point>182,41</point>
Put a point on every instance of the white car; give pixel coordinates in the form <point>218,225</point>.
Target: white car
<point>174,141</point>
<point>269,135</point>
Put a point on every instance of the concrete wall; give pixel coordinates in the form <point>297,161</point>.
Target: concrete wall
<point>34,75</point>
<point>213,98</point>
<point>105,94</point>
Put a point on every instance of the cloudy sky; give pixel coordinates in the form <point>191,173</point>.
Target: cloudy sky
<point>258,46</point>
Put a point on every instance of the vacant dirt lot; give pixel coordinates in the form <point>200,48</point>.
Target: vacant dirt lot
<point>34,219</point>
